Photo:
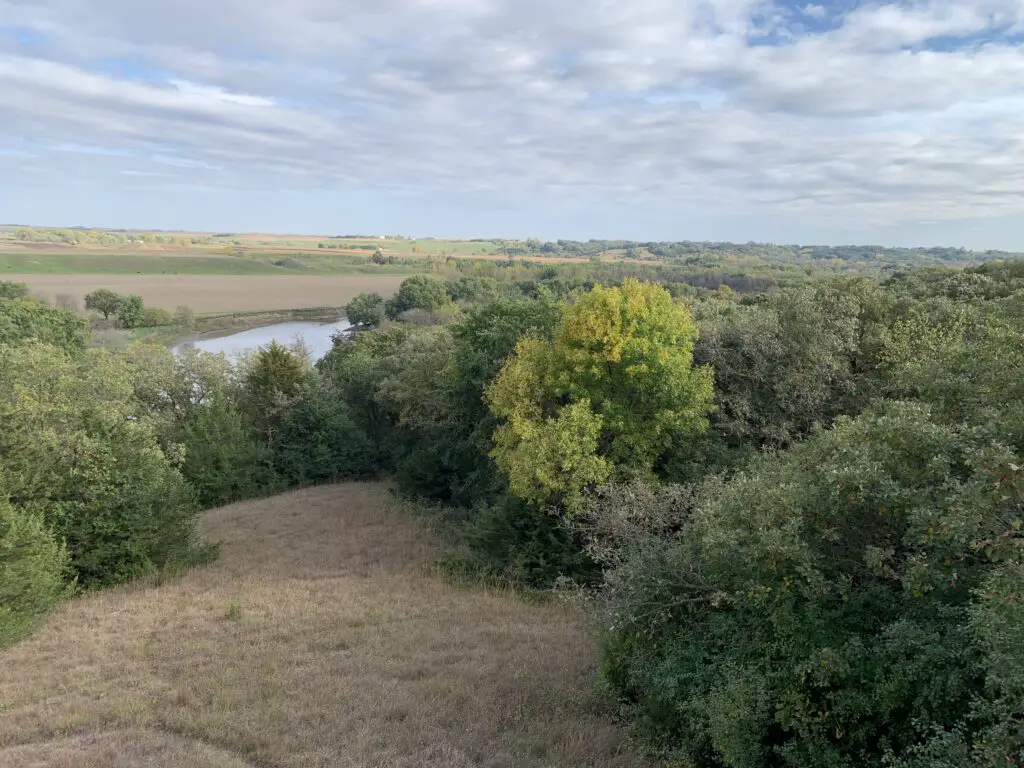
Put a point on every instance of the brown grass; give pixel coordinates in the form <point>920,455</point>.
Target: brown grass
<point>221,293</point>
<point>343,652</point>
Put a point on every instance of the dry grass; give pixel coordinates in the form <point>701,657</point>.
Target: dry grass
<point>342,651</point>
<point>220,293</point>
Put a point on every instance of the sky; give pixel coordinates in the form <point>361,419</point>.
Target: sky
<point>893,123</point>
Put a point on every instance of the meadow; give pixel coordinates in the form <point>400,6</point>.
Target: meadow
<point>319,638</point>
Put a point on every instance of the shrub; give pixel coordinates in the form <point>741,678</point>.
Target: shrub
<point>67,301</point>
<point>849,603</point>
<point>153,317</point>
<point>11,290</point>
<point>32,570</point>
<point>185,318</point>
<point>130,312</point>
<point>366,309</point>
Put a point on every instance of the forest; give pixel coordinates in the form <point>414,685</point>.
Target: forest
<point>791,495</point>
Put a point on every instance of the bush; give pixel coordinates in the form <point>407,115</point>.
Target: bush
<point>23,320</point>
<point>185,318</point>
<point>153,317</point>
<point>849,603</point>
<point>130,312</point>
<point>366,309</point>
<point>33,566</point>
<point>103,300</point>
<point>12,290</point>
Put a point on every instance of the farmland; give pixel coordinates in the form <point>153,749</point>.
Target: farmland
<point>218,293</point>
<point>317,639</point>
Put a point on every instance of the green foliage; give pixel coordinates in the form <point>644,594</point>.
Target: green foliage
<point>22,320</point>
<point>613,391</point>
<point>131,312</point>
<point>366,309</point>
<point>33,566</point>
<point>272,378</point>
<point>417,292</point>
<point>224,461</point>
<point>850,603</point>
<point>153,317</point>
<point>75,450</point>
<point>11,290</point>
<point>234,611</point>
<point>317,441</point>
<point>103,300</point>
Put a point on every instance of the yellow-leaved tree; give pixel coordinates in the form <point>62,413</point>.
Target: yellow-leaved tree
<point>605,399</point>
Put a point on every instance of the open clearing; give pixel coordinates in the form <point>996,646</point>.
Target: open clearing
<point>317,639</point>
<point>220,293</point>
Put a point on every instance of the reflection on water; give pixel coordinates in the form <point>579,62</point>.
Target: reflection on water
<point>317,337</point>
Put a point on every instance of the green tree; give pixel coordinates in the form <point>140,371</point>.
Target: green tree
<point>366,309</point>
<point>75,449</point>
<point>12,290</point>
<point>417,292</point>
<point>103,300</point>
<point>185,318</point>
<point>22,320</point>
<point>271,382</point>
<point>33,566</point>
<point>131,312</point>
<point>613,391</point>
<point>852,602</point>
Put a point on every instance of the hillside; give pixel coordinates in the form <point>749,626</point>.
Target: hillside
<point>317,639</point>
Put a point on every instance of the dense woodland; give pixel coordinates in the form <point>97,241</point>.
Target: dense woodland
<point>792,495</point>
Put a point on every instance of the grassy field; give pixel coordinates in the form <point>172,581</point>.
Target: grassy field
<point>218,293</point>
<point>317,639</point>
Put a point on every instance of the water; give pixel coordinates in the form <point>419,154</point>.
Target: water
<point>317,337</point>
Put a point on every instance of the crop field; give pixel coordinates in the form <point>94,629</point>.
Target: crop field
<point>319,638</point>
<point>217,293</point>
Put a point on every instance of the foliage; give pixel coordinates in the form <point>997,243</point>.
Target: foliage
<point>130,312</point>
<point>32,570</point>
<point>11,290</point>
<point>271,380</point>
<point>417,292</point>
<point>103,300</point>
<point>844,604</point>
<point>317,441</point>
<point>22,320</point>
<point>606,398</point>
<point>153,317</point>
<point>74,450</point>
<point>184,317</point>
<point>366,309</point>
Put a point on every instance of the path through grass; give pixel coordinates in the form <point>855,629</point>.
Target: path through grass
<point>317,639</point>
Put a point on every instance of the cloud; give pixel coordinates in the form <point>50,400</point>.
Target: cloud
<point>893,112</point>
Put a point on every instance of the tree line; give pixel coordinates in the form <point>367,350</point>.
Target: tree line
<point>796,510</point>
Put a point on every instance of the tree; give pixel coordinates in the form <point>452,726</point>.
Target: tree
<point>33,567</point>
<point>417,292</point>
<point>853,602</point>
<point>22,320</point>
<point>12,290</point>
<point>366,309</point>
<point>131,312</point>
<point>103,300</point>
<point>606,398</point>
<point>185,318</point>
<point>76,449</point>
<point>271,381</point>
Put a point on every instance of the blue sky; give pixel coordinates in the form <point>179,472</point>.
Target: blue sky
<point>834,122</point>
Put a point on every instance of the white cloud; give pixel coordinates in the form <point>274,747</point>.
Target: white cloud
<point>898,112</point>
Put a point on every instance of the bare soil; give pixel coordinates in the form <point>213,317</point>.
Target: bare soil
<point>320,638</point>
<point>221,293</point>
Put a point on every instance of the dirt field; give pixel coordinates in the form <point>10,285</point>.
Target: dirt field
<point>317,639</point>
<point>220,293</point>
